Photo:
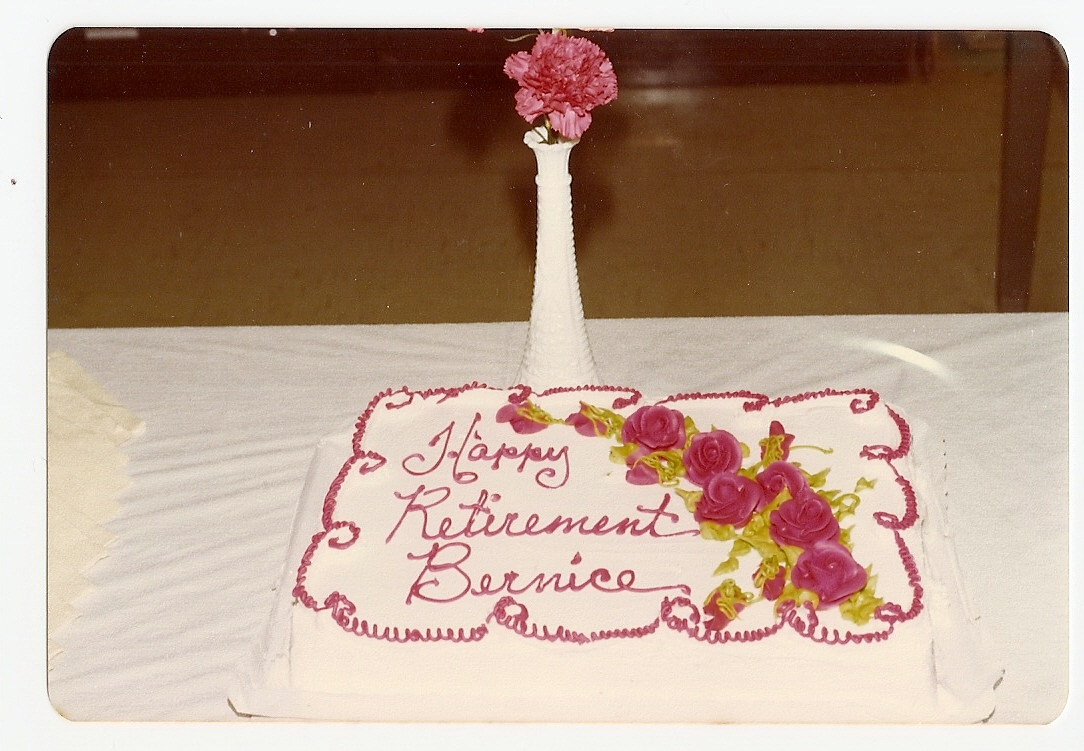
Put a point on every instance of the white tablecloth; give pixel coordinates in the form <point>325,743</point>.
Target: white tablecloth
<point>232,416</point>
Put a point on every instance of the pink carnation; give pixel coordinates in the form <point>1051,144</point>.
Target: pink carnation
<point>563,78</point>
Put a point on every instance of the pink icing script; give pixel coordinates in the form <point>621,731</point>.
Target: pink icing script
<point>472,449</point>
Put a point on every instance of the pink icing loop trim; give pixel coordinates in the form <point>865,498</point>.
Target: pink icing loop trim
<point>370,462</point>
<point>335,541</point>
<point>622,402</point>
<point>910,504</point>
<point>891,612</point>
<point>754,401</point>
<point>886,452</point>
<point>522,393</point>
<point>690,625</point>
<point>363,420</point>
<point>867,399</point>
<point>500,611</point>
<point>811,629</point>
<point>342,612</point>
<point>513,615</point>
<point>444,393</point>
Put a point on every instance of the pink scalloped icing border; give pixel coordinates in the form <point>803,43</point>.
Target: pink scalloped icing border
<point>512,615</point>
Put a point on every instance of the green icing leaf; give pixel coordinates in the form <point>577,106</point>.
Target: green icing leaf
<point>667,465</point>
<point>864,484</point>
<point>691,498</point>
<point>713,531</point>
<point>690,430</point>
<point>861,606</point>
<point>832,496</point>
<point>772,449</point>
<point>846,505</point>
<point>618,454</point>
<point>797,596</point>
<point>845,537</point>
<point>728,566</point>
<point>757,525</point>
<point>791,554</point>
<point>818,480</point>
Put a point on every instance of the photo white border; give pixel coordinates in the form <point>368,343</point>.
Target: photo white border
<point>27,30</point>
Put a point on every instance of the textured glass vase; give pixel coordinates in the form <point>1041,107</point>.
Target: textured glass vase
<point>558,352</point>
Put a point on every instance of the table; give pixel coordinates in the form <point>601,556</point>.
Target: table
<point>232,416</point>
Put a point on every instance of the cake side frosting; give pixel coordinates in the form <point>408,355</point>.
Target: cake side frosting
<point>482,554</point>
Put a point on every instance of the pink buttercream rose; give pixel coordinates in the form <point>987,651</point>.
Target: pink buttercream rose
<point>778,476</point>
<point>563,78</point>
<point>709,454</point>
<point>509,413</point>
<point>803,520</point>
<point>655,428</point>
<point>728,499</point>
<point>651,429</point>
<point>829,570</point>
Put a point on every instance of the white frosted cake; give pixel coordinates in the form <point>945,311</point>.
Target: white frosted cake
<point>584,554</point>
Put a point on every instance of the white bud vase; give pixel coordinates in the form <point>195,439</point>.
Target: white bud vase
<point>558,352</point>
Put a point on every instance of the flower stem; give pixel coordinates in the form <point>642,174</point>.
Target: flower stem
<point>551,134</point>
